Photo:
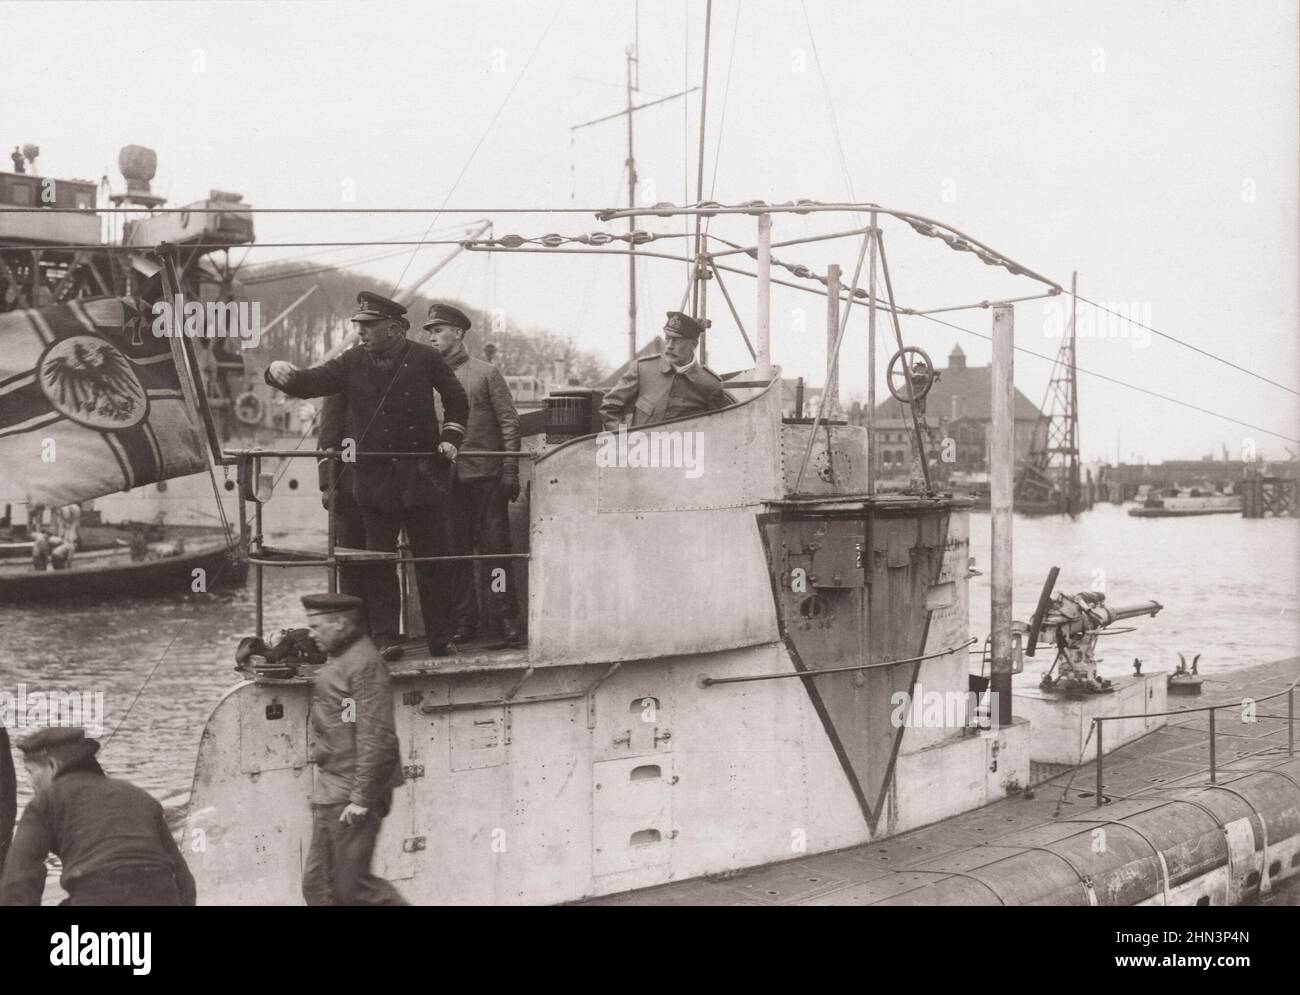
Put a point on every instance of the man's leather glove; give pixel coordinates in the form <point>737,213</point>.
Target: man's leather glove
<point>447,451</point>
<point>510,488</point>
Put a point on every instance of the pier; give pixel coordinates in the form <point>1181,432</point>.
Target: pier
<point>1264,496</point>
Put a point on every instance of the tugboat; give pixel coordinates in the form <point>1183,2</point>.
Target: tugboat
<point>1176,503</point>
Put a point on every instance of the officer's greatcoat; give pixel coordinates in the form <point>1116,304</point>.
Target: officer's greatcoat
<point>406,423</point>
<point>654,391</point>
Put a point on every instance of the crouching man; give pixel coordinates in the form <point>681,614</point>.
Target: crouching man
<point>357,762</point>
<point>110,835</point>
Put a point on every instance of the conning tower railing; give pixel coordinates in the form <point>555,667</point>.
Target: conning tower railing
<point>1212,709</point>
<point>249,463</point>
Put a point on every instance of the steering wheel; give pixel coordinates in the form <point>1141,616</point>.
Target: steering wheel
<point>922,379</point>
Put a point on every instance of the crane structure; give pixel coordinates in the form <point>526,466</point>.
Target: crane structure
<point>1048,479</point>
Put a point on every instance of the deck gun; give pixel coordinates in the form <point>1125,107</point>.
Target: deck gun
<point>1075,621</point>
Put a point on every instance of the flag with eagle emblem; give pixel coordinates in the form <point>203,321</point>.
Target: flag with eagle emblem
<point>92,402</point>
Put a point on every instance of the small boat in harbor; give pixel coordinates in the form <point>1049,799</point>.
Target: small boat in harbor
<point>1186,503</point>
<point>130,566</point>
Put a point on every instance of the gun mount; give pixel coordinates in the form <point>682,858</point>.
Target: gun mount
<point>1075,621</point>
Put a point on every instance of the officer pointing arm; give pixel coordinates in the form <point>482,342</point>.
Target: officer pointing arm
<point>381,327</point>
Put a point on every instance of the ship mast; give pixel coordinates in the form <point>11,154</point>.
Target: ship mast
<point>632,86</point>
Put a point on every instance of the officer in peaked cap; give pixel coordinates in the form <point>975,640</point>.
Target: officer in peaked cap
<point>373,307</point>
<point>110,836</point>
<point>389,385</point>
<point>666,385</point>
<point>446,314</point>
<point>356,756</point>
<point>479,513</point>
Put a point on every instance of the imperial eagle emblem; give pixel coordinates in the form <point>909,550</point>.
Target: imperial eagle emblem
<point>90,381</point>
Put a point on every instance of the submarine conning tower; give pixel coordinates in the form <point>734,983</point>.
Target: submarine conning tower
<point>723,670</point>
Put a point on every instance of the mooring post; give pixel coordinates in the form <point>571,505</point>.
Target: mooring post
<point>763,365</point>
<point>831,405</point>
<point>1100,754</point>
<point>1002,455</point>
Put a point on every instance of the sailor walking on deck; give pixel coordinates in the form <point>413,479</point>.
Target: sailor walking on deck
<point>478,513</point>
<point>666,385</point>
<point>356,756</point>
<point>389,385</point>
<point>110,836</point>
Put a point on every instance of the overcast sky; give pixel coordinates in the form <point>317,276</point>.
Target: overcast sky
<point>1150,145</point>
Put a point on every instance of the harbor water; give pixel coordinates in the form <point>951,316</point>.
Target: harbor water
<point>1229,587</point>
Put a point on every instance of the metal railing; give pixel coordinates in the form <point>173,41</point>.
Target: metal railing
<point>249,463</point>
<point>1212,709</point>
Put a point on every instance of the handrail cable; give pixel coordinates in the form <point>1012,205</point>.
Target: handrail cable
<point>1187,345</point>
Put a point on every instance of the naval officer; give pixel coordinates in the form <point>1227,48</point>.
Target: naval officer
<point>666,385</point>
<point>109,835</point>
<point>349,525</point>
<point>389,385</point>
<point>479,514</point>
<point>356,756</point>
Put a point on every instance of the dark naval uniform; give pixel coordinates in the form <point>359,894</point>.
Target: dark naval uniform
<point>349,525</point>
<point>407,422</point>
<point>390,409</point>
<point>357,763</point>
<point>110,836</point>
<point>654,390</point>
<point>479,513</point>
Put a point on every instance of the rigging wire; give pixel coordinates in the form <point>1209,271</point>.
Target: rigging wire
<point>722,117</point>
<point>830,105</point>
<point>313,255</point>
<point>696,289</point>
<point>486,131</point>
<point>686,125</point>
<point>1187,345</point>
<point>1029,352</point>
<point>1115,380</point>
<point>324,268</point>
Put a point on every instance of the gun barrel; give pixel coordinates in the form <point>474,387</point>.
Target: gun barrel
<point>1119,612</point>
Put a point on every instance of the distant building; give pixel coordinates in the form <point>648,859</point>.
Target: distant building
<point>958,407</point>
<point>812,399</point>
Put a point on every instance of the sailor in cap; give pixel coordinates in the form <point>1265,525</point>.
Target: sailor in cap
<point>389,385</point>
<point>109,835</point>
<point>666,385</point>
<point>479,515</point>
<point>356,756</point>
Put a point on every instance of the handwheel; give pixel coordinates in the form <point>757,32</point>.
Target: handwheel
<point>910,389</point>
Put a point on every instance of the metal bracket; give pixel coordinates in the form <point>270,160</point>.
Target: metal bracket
<point>413,843</point>
<point>590,693</point>
<point>411,771</point>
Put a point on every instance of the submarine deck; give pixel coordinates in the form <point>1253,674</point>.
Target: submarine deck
<point>1174,756</point>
